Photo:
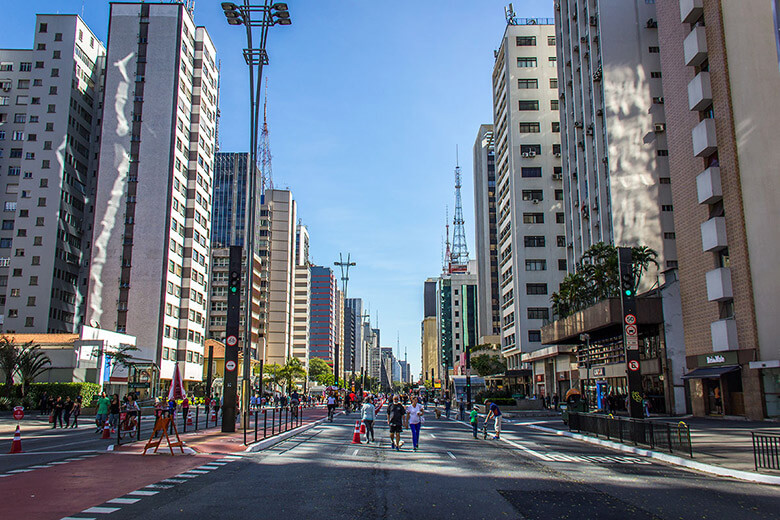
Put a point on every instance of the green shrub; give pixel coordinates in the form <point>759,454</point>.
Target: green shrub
<point>87,391</point>
<point>501,401</point>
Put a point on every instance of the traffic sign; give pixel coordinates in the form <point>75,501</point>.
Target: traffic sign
<point>630,330</point>
<point>630,319</point>
<point>633,365</point>
<point>230,365</point>
<point>18,413</point>
<point>632,343</point>
<point>232,341</point>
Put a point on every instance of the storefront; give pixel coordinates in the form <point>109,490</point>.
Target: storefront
<point>716,384</point>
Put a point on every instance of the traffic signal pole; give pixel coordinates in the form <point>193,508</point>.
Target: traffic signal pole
<point>231,341</point>
<point>630,332</point>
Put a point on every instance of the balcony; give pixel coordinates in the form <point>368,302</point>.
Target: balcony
<point>719,284</point>
<point>704,141</point>
<point>691,10</point>
<point>695,47</point>
<point>724,335</point>
<point>708,186</point>
<point>713,234</point>
<point>700,92</point>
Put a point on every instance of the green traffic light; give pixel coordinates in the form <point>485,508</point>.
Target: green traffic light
<point>232,289</point>
<point>629,292</point>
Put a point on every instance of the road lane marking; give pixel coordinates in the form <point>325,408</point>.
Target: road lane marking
<point>217,463</point>
<point>123,501</point>
<point>208,467</point>
<point>432,436</point>
<point>158,486</point>
<point>356,452</point>
<point>142,493</point>
<point>198,472</point>
<point>527,450</point>
<point>25,470</point>
<point>101,510</point>
<point>185,475</point>
<point>173,480</point>
<point>77,518</point>
<point>451,455</point>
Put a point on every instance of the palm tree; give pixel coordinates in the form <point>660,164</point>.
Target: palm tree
<point>32,363</point>
<point>291,371</point>
<point>641,258</point>
<point>9,362</point>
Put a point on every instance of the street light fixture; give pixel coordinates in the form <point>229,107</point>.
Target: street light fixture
<point>264,16</point>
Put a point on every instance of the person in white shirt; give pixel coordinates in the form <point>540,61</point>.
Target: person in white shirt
<point>368,414</point>
<point>414,418</point>
<point>331,406</point>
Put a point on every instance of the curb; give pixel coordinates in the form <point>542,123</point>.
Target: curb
<point>671,459</point>
<point>267,443</point>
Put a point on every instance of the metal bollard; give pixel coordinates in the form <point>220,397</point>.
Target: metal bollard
<point>265,423</point>
<point>273,421</point>
<point>255,425</point>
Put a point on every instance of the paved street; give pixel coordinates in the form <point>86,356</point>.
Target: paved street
<point>527,475</point>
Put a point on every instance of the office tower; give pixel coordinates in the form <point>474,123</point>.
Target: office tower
<point>322,314</point>
<point>300,348</point>
<point>429,333</point>
<point>151,240</point>
<point>353,335</point>
<point>49,112</point>
<point>338,332</point>
<point>279,220</point>
<point>457,317</point>
<point>374,367</point>
<point>486,231</point>
<point>386,370</point>
<point>531,242</point>
<point>720,79</point>
<point>615,155</point>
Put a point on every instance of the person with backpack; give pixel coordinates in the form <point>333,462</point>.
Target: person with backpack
<point>495,412</point>
<point>368,415</point>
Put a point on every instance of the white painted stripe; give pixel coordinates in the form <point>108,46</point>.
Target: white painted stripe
<point>450,454</point>
<point>197,472</point>
<point>173,481</point>
<point>355,453</point>
<point>59,462</point>
<point>142,493</point>
<point>158,486</point>
<point>208,467</point>
<point>122,501</point>
<point>76,518</point>
<point>185,475</point>
<point>217,463</point>
<point>527,450</point>
<point>5,475</point>
<point>25,470</point>
<point>432,436</point>
<point>44,466</point>
<point>230,457</point>
<point>101,510</point>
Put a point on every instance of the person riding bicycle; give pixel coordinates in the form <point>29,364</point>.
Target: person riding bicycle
<point>331,406</point>
<point>493,411</point>
<point>295,400</point>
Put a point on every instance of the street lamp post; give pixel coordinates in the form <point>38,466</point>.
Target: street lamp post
<point>586,338</point>
<point>251,16</point>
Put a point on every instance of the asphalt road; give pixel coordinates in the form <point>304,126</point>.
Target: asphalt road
<point>527,475</point>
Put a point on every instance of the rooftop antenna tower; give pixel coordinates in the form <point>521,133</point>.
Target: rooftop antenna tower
<point>460,254</point>
<point>447,264</point>
<point>266,173</point>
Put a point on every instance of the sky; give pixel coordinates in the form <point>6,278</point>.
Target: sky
<point>367,101</point>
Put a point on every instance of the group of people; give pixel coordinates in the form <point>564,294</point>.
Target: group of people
<point>61,411</point>
<point>110,408</point>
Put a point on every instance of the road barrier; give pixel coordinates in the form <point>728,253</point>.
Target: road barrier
<point>766,450</point>
<point>127,432</point>
<point>282,419</point>
<point>674,438</point>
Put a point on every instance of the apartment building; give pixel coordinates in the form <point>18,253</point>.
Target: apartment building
<point>151,239</point>
<point>50,105</point>
<point>529,193</point>
<point>616,184</point>
<point>429,333</point>
<point>322,314</point>
<point>456,317</point>
<point>486,232</point>
<point>300,346</point>
<point>354,343</point>
<point>720,79</point>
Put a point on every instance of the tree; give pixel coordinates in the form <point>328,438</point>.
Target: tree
<point>32,363</point>
<point>318,369</point>
<point>9,361</point>
<point>487,365</point>
<point>272,374</point>
<point>291,371</point>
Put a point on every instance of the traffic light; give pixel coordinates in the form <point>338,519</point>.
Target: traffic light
<point>627,283</point>
<point>234,282</point>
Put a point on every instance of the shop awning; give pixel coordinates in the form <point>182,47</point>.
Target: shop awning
<point>706,372</point>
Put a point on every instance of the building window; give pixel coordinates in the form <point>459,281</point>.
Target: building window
<point>561,264</point>
<point>534,336</point>
<point>552,61</point>
<point>534,241</point>
<point>551,41</point>
<point>655,74</point>
<point>665,180</point>
<point>536,265</point>
<point>553,82</point>
<point>57,37</point>
<point>667,207</point>
<point>553,104</point>
<point>530,128</point>
<point>56,55</point>
<point>536,288</point>
<point>530,149</point>
<point>41,202</point>
<point>559,218</point>
<point>525,41</point>
<point>528,104</point>
<point>560,241</point>
<point>55,73</point>
<point>25,66</point>
<point>653,49</point>
<point>31,301</point>
<point>43,27</point>
<point>556,149</point>
<point>525,63</point>
<point>533,218</point>
<point>671,264</point>
<point>533,195</point>
<point>669,236</point>
<point>538,313</point>
<point>531,172</point>
<point>527,83</point>
<point>33,280</point>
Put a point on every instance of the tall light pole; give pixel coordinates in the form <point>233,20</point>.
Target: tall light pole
<point>252,16</point>
<point>344,283</point>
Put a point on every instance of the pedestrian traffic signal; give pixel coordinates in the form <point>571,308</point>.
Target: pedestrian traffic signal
<point>234,282</point>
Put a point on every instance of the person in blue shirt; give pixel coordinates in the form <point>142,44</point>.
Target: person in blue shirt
<point>493,411</point>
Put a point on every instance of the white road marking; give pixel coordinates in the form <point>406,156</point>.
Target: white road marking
<point>41,467</point>
<point>208,467</point>
<point>123,501</point>
<point>450,454</point>
<point>217,463</point>
<point>101,510</point>
<point>158,486</point>
<point>356,452</point>
<point>25,470</point>
<point>185,475</point>
<point>59,462</point>
<point>76,518</point>
<point>173,481</point>
<point>142,493</point>
<point>197,472</point>
<point>432,436</point>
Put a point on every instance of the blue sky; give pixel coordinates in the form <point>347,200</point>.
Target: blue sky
<point>367,101</point>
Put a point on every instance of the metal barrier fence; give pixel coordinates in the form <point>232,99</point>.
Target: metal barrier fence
<point>766,450</point>
<point>674,438</point>
<point>188,420</point>
<point>276,420</point>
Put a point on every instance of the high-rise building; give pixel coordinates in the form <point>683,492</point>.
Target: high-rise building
<point>526,136</point>
<point>338,332</point>
<point>229,215</point>
<point>322,314</point>
<point>720,80</point>
<point>616,186</point>
<point>374,366</point>
<point>429,333</point>
<point>457,317</point>
<point>49,120</point>
<point>300,348</point>
<point>151,240</point>
<point>486,232</point>
<point>279,221</point>
<point>353,335</point>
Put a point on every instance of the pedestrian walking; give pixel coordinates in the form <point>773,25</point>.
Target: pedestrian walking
<point>461,409</point>
<point>556,400</point>
<point>415,418</point>
<point>368,415</point>
<point>101,414</point>
<point>113,412</point>
<point>474,420</point>
<point>185,409</point>
<point>76,411</point>
<point>57,412</point>
<point>43,404</point>
<point>447,405</point>
<point>496,414</point>
<point>67,408</point>
<point>395,418</point>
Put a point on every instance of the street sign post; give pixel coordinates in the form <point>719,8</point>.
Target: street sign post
<point>630,332</point>
<point>231,340</point>
<point>18,413</point>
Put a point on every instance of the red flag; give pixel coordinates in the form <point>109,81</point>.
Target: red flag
<point>177,385</point>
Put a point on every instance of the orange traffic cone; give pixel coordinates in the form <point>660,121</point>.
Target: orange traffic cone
<point>356,434</point>
<point>106,431</point>
<point>362,428</point>
<point>189,419</point>
<point>16,445</point>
